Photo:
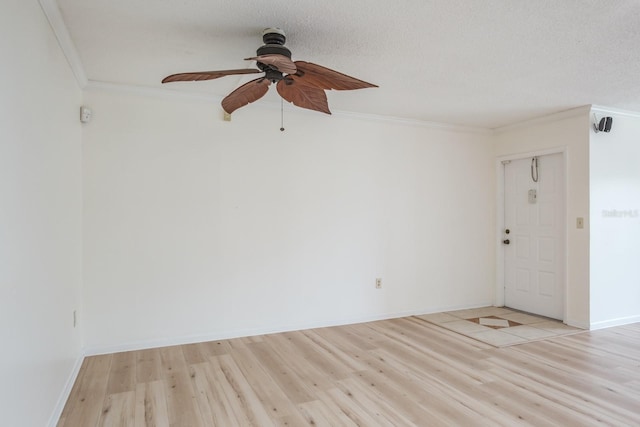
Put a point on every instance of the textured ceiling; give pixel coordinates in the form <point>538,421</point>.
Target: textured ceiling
<point>484,63</point>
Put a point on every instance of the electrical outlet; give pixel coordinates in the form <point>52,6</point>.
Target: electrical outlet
<point>85,114</point>
<point>579,222</point>
<point>378,283</point>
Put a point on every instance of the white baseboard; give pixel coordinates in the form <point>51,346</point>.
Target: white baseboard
<point>614,322</point>
<point>66,392</point>
<point>577,324</point>
<point>239,333</point>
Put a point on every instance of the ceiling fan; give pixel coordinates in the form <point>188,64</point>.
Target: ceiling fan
<point>299,82</point>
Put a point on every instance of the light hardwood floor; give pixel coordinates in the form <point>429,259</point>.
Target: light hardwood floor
<point>399,372</point>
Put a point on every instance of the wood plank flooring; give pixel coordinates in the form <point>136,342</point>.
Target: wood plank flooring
<point>400,372</point>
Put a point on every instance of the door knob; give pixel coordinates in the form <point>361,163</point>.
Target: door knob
<point>506,241</point>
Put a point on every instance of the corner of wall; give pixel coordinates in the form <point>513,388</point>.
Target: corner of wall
<point>53,15</point>
<point>66,391</point>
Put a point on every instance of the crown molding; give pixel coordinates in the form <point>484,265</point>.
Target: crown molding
<point>416,122</point>
<point>148,91</point>
<point>93,85</point>
<point>53,15</point>
<point>560,115</point>
<point>618,112</point>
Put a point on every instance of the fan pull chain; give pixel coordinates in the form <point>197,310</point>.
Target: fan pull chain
<point>281,115</point>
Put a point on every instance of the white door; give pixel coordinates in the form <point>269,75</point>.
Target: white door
<point>533,235</point>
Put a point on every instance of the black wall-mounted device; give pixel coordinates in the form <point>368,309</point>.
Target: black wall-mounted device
<point>604,125</point>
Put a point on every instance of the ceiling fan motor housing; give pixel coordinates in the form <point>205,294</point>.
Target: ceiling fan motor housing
<point>273,39</point>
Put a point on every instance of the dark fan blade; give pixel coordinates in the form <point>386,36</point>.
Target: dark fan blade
<point>325,78</point>
<point>304,96</point>
<point>206,75</point>
<point>245,94</point>
<point>281,62</point>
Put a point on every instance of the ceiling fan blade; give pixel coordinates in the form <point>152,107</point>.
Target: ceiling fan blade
<point>245,94</point>
<point>325,78</point>
<point>281,62</point>
<point>206,75</point>
<point>304,96</point>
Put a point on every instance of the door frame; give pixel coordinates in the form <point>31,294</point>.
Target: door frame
<point>500,199</point>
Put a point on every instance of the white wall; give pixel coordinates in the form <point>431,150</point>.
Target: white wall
<point>196,228</point>
<point>567,131</point>
<point>40,217</point>
<point>615,222</point>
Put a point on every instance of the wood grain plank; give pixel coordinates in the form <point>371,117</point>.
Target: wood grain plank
<point>315,377</point>
<point>247,401</point>
<point>195,353</point>
<point>273,399</point>
<point>574,385</point>
<point>297,390</point>
<point>215,348</point>
<point>538,404</point>
<point>213,403</point>
<point>119,410</point>
<point>339,401</point>
<point>182,405</point>
<point>151,405</point>
<point>122,374</point>
<point>334,343</point>
<point>322,360</point>
<point>148,365</point>
<point>317,413</point>
<point>371,401</point>
<point>417,390</point>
